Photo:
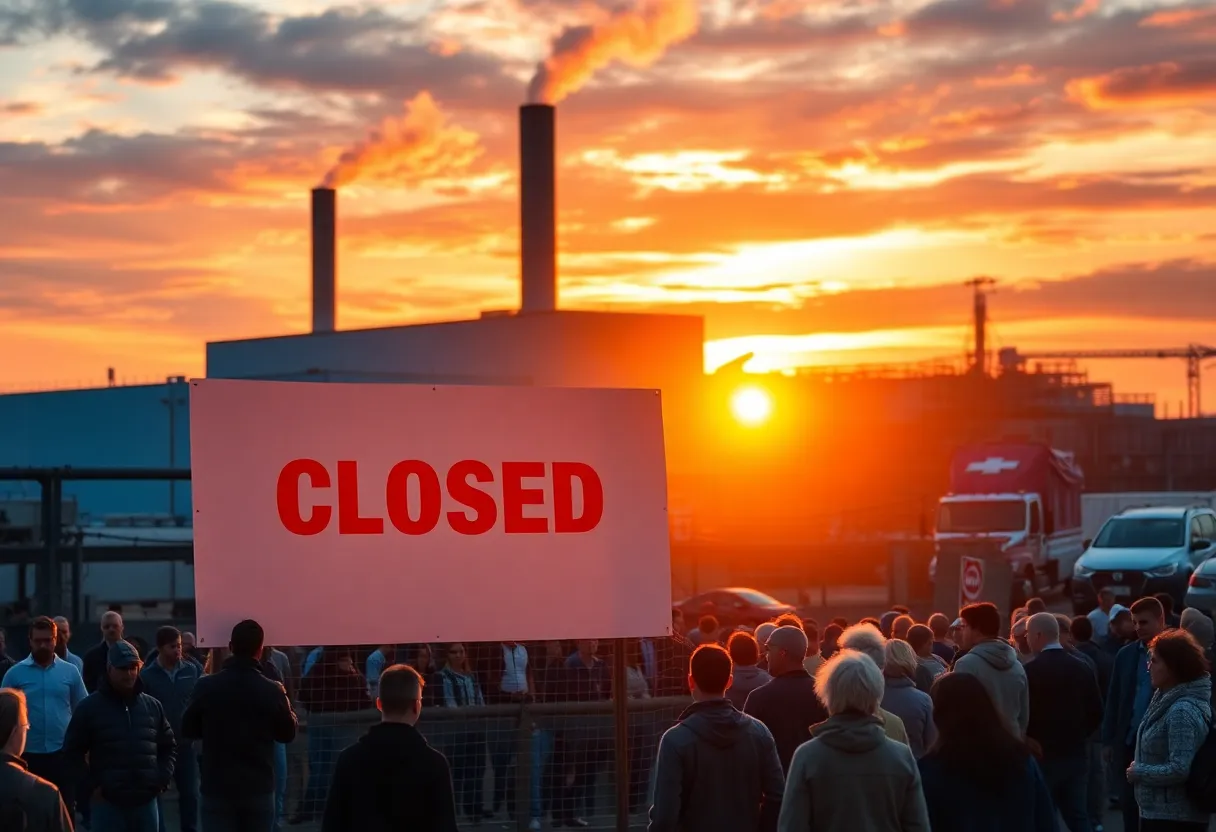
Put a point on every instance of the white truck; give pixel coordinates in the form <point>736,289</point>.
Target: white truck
<point>1020,502</point>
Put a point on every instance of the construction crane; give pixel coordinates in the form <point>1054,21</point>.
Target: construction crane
<point>1194,354</point>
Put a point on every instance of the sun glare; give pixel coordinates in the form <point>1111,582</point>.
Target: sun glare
<point>751,405</point>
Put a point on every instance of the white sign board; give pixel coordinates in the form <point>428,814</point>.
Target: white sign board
<point>380,514</point>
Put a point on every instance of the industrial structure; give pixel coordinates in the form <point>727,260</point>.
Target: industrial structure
<point>840,454</point>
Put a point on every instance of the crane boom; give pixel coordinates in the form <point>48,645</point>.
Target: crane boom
<point>1067,355</point>
<point>1193,353</point>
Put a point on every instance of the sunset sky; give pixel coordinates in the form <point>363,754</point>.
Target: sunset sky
<point>815,177</point>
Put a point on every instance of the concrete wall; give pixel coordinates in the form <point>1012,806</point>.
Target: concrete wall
<point>565,349</point>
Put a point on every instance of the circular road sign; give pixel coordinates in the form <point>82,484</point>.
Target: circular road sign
<point>973,579</point>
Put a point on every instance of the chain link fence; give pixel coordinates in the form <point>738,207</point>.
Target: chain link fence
<point>532,732</point>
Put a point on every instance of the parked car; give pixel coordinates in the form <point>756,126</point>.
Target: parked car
<point>1142,551</point>
<point>733,607</point>
<point>1201,594</point>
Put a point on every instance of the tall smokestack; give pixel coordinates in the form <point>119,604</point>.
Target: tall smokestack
<point>537,208</point>
<point>324,258</point>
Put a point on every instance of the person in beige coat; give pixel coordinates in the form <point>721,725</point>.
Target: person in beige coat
<point>851,777</point>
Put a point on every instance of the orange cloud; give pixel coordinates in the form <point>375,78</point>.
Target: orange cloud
<point>1155,85</point>
<point>21,108</point>
<point>419,144</point>
<point>636,36</point>
<point>1020,76</point>
<point>774,158</point>
<point>1171,18</point>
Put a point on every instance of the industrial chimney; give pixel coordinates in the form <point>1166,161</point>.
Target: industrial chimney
<point>324,258</point>
<point>537,208</point>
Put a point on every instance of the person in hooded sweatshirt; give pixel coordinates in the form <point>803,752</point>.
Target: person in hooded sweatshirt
<point>994,662</point>
<point>1174,727</point>
<point>852,777</point>
<point>744,655</point>
<point>716,768</point>
<point>391,779</point>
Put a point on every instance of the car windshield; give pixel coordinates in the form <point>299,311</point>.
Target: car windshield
<point>982,516</point>
<point>757,599</point>
<point>1141,533</point>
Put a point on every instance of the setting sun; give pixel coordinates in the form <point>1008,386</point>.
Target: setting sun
<point>751,405</point>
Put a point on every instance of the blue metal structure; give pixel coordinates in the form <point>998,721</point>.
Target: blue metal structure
<point>144,426</point>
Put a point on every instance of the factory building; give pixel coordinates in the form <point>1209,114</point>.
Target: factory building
<point>540,344</point>
<point>844,458</point>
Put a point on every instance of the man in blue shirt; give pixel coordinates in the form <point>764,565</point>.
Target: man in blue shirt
<point>1127,700</point>
<point>53,689</point>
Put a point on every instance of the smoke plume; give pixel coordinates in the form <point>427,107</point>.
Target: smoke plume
<point>637,36</point>
<point>416,145</point>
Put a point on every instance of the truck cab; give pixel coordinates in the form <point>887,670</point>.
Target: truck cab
<point>1011,524</point>
<point>1018,502</point>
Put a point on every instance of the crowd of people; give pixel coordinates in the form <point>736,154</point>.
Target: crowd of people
<point>884,724</point>
<point>947,725</point>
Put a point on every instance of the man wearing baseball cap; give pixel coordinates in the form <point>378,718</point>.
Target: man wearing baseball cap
<point>130,747</point>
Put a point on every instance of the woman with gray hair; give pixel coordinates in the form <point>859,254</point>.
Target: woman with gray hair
<point>904,699</point>
<point>850,776</point>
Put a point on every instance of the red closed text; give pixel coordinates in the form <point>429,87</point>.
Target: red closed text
<point>530,498</point>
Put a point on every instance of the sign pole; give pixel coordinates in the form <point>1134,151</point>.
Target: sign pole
<point>620,720</point>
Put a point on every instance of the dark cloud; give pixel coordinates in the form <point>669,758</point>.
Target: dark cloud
<point>1161,83</point>
<point>21,20</point>
<point>348,50</point>
<point>980,17</point>
<point>100,168</point>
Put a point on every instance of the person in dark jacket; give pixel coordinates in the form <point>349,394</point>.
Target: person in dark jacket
<point>1120,630</point>
<point>943,649</point>
<point>334,686</point>
<point>1082,630</point>
<point>745,656</point>
<point>129,744</point>
<point>170,679</point>
<point>391,779</point>
<point>1065,710</point>
<point>95,659</point>
<point>979,776</point>
<point>6,661</point>
<point>716,768</point>
<point>1172,620</point>
<point>239,715</point>
<point>787,705</point>
<point>27,802</point>
<point>1127,700</point>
